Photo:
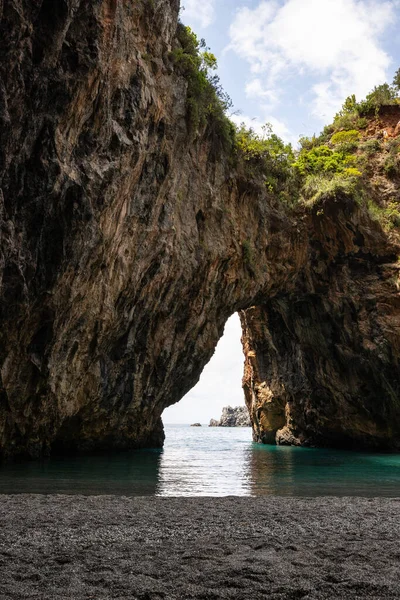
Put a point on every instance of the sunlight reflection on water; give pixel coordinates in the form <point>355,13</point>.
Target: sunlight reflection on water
<point>210,462</point>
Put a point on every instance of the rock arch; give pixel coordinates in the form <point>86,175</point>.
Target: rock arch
<point>126,245</point>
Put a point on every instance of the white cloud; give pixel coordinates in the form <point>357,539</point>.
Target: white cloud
<point>281,129</point>
<point>335,43</point>
<point>257,123</point>
<point>254,123</point>
<point>256,89</point>
<point>199,12</point>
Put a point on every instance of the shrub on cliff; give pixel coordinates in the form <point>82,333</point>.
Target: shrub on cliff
<point>206,101</point>
<point>308,143</point>
<point>371,146</point>
<point>347,147</point>
<point>346,142</point>
<point>267,156</point>
<point>330,164</point>
<point>342,137</point>
<point>396,80</point>
<point>323,159</point>
<point>391,167</point>
<point>391,163</point>
<point>348,116</point>
<point>266,146</point>
<point>331,186</point>
<point>381,95</point>
<point>388,216</point>
<point>352,114</point>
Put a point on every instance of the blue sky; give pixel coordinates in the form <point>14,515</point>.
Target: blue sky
<point>291,63</point>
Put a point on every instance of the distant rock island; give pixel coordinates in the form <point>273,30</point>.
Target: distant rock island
<point>233,417</point>
<point>196,425</point>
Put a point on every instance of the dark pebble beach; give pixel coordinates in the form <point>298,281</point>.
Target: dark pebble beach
<point>76,547</point>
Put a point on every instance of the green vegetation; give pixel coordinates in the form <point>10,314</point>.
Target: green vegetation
<point>336,162</point>
<point>330,165</point>
<point>352,113</point>
<point>248,257</point>
<point>371,147</point>
<point>396,80</point>
<point>266,146</point>
<point>333,164</point>
<point>381,95</point>
<point>322,159</point>
<point>391,165</point>
<point>342,137</point>
<point>267,150</point>
<point>318,187</point>
<point>267,157</point>
<point>393,146</point>
<point>306,143</point>
<point>352,116</point>
<point>347,147</point>
<point>206,101</point>
<point>329,173</point>
<point>388,216</point>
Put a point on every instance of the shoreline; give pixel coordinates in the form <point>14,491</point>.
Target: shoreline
<point>76,547</point>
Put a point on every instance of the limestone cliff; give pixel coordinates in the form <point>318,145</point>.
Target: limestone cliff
<point>127,240</point>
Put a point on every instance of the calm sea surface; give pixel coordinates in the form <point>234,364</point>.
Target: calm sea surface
<point>211,462</point>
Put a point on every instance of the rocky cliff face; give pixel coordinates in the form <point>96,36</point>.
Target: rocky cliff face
<point>321,362</point>
<point>237,416</point>
<point>122,248</point>
<point>127,241</point>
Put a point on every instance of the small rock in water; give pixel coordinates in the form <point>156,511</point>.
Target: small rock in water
<point>196,425</point>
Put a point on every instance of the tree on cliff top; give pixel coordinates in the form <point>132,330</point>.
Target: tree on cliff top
<point>396,80</point>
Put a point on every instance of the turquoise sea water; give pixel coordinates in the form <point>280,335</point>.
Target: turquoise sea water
<point>211,462</point>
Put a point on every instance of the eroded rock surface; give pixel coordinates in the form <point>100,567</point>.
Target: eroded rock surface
<point>127,241</point>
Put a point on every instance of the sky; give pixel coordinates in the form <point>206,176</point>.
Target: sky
<point>291,63</point>
<point>220,383</point>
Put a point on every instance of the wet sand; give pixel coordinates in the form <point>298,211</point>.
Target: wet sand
<point>75,547</point>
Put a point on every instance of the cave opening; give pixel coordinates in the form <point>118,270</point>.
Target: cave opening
<point>220,384</point>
